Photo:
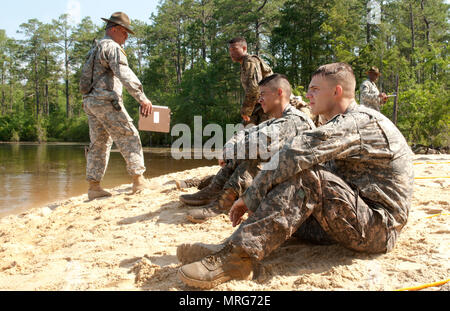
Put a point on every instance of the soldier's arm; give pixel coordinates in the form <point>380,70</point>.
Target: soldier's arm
<point>337,139</point>
<point>237,146</point>
<point>119,65</point>
<point>368,95</point>
<point>257,142</point>
<point>251,88</point>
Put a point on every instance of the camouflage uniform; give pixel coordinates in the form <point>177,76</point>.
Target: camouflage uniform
<point>243,173</point>
<point>108,123</point>
<point>369,95</point>
<point>251,75</point>
<point>238,173</point>
<point>353,175</point>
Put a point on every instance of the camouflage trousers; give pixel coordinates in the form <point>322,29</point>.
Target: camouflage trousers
<point>243,176</point>
<point>315,204</point>
<point>107,125</point>
<point>237,175</point>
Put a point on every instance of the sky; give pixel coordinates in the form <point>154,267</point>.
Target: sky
<point>15,12</point>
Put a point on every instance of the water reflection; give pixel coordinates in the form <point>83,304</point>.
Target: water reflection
<point>34,175</point>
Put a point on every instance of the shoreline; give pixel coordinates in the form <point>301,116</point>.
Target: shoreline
<point>128,242</point>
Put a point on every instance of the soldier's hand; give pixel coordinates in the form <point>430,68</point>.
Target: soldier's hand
<point>383,97</point>
<point>146,108</point>
<point>237,211</point>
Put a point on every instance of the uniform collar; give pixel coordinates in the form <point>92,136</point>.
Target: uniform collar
<point>351,107</point>
<point>287,109</point>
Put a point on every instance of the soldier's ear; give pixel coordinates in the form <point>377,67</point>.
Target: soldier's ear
<point>280,91</point>
<point>338,91</point>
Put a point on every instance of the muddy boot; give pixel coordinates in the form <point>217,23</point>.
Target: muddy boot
<point>95,191</point>
<point>202,197</point>
<point>140,183</point>
<point>187,183</point>
<point>194,182</point>
<point>188,253</point>
<point>215,208</point>
<point>202,214</point>
<point>205,182</point>
<point>229,263</point>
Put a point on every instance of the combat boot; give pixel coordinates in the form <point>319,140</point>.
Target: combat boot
<point>229,263</point>
<point>194,182</point>
<point>202,197</point>
<point>202,214</point>
<point>140,183</point>
<point>191,252</point>
<point>187,183</point>
<point>95,191</point>
<point>215,208</point>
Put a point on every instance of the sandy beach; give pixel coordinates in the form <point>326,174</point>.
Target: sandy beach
<point>129,242</point>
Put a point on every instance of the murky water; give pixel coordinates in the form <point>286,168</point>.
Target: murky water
<point>33,175</point>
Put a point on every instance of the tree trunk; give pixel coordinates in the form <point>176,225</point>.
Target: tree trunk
<point>3,100</point>
<point>413,43</point>
<point>396,103</point>
<point>11,100</point>
<point>36,86</point>
<point>203,39</point>
<point>66,52</point>
<point>46,87</point>
<point>427,23</point>
<point>257,33</point>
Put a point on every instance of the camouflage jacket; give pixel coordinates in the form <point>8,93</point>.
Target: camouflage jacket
<point>362,147</point>
<point>251,75</point>
<point>369,95</point>
<point>271,136</point>
<point>112,64</point>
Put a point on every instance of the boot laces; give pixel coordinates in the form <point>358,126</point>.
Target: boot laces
<point>219,257</point>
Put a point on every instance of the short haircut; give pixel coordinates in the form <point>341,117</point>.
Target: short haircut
<point>339,73</point>
<point>276,81</point>
<point>238,40</point>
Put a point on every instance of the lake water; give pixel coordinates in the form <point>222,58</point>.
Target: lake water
<point>33,175</point>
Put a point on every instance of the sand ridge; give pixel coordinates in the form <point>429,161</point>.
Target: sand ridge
<point>128,242</point>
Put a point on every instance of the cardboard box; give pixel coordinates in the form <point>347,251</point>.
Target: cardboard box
<point>158,121</point>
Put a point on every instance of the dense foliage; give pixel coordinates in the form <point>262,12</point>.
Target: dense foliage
<point>180,54</point>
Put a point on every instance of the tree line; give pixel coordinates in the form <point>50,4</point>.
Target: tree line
<point>181,56</point>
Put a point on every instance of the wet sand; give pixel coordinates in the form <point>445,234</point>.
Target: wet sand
<point>128,242</point>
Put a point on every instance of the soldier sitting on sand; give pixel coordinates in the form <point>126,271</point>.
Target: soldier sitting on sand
<point>349,181</point>
<point>200,183</point>
<point>237,174</point>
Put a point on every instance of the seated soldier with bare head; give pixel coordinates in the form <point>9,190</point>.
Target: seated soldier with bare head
<point>349,181</point>
<point>242,159</point>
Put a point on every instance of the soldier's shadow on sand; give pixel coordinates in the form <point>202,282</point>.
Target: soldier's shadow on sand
<point>297,257</point>
<point>294,258</point>
<point>162,275</point>
<point>173,213</point>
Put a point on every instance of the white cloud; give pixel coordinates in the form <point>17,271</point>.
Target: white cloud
<point>74,11</point>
